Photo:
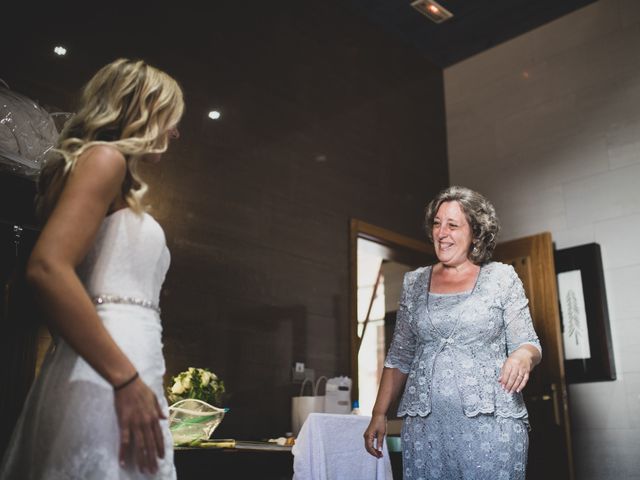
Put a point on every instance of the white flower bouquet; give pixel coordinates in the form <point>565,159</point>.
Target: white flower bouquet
<point>193,415</point>
<point>199,383</point>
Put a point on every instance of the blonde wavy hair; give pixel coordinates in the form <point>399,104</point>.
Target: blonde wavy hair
<point>128,105</point>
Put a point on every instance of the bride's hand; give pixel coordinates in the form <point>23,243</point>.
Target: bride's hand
<point>139,417</point>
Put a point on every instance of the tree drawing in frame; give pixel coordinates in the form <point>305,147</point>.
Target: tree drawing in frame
<point>584,312</point>
<point>572,307</point>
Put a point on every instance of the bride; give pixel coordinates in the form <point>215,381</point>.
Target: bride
<point>97,410</point>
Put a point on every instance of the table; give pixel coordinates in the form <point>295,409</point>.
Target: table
<point>248,463</point>
<point>233,463</point>
<point>331,447</point>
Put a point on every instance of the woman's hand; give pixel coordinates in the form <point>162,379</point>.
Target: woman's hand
<point>139,417</point>
<point>391,383</point>
<point>374,435</point>
<point>515,371</point>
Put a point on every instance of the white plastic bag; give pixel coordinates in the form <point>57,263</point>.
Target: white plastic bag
<point>302,406</point>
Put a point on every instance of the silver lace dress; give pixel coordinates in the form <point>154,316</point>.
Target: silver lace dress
<point>458,422</point>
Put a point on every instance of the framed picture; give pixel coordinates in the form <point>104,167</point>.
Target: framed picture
<point>588,355</point>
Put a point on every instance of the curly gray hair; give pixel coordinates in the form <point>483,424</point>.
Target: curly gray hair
<point>480,214</point>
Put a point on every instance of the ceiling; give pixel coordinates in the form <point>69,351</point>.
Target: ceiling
<point>476,26</point>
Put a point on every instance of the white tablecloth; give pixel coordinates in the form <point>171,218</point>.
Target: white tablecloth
<point>331,447</point>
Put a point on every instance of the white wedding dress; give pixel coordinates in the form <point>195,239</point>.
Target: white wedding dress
<point>68,427</point>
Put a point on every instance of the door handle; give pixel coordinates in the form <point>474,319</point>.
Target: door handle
<point>555,399</point>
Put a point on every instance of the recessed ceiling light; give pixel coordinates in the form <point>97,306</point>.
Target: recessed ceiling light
<point>432,10</point>
<point>60,50</point>
<point>214,115</point>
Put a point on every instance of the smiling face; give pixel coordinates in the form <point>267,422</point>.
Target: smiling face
<point>452,236</point>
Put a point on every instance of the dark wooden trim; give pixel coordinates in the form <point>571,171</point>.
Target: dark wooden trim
<point>388,238</point>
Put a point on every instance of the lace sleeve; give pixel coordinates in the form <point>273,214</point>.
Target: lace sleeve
<point>517,318</point>
<point>403,343</point>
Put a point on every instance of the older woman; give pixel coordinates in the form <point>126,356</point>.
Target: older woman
<point>463,349</point>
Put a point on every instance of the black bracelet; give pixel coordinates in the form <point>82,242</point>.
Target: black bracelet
<point>128,382</point>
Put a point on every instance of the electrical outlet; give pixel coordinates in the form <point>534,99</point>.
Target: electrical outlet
<point>297,372</point>
<point>304,374</point>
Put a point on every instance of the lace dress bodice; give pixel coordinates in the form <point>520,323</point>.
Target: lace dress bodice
<point>487,325</point>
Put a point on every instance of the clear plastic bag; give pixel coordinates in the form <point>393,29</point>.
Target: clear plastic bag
<point>192,420</point>
<point>27,132</point>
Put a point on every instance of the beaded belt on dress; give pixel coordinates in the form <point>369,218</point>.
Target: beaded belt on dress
<point>102,299</point>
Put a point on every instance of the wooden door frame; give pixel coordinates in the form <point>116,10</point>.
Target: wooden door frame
<point>545,309</point>
<point>382,236</point>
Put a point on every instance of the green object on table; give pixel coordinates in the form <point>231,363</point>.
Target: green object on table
<point>191,421</point>
<point>394,444</point>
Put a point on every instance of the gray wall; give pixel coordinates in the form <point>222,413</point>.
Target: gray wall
<point>548,126</point>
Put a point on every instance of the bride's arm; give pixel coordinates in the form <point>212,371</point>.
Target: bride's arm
<point>65,240</point>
